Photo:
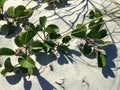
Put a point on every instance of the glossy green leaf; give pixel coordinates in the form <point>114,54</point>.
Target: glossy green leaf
<point>52,28</point>
<point>66,39</point>
<point>28,12</point>
<point>8,66</point>
<point>54,36</point>
<point>101,59</point>
<point>10,12</point>
<point>27,63</point>
<point>42,21</point>
<point>77,33</point>
<point>20,11</point>
<point>103,33</point>
<point>18,41</point>
<point>64,48</point>
<point>87,49</point>
<point>91,14</point>
<point>93,34</point>
<point>26,37</point>
<point>4,72</point>
<point>6,51</point>
<point>36,46</point>
<point>2,3</point>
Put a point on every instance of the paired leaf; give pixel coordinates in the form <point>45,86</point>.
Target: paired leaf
<point>101,59</point>
<point>6,51</point>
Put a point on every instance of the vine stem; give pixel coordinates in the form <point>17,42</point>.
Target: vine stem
<point>28,3</point>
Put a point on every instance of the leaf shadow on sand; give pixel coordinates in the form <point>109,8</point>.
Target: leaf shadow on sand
<point>111,52</point>
<point>44,84</point>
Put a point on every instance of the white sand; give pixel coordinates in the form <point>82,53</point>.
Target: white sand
<point>76,72</point>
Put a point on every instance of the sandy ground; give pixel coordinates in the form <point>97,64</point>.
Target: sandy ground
<point>74,72</point>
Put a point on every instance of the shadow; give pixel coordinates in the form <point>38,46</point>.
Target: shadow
<point>45,85</point>
<point>59,5</point>
<point>27,84</point>
<point>91,56</point>
<point>11,32</point>
<point>44,58</point>
<point>111,52</point>
<point>13,79</point>
<point>66,58</point>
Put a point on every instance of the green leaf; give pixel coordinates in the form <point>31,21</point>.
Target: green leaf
<point>2,3</point>
<point>27,63</point>
<point>28,12</point>
<point>64,48</point>
<point>81,27</point>
<point>36,46</point>
<point>54,36</point>
<point>87,49</point>
<point>6,51</point>
<point>11,31</point>
<point>77,33</point>
<point>4,27</point>
<point>66,39</point>
<point>91,14</point>
<point>30,71</point>
<point>98,13</point>
<point>4,72</point>
<point>18,41</point>
<point>20,11</point>
<point>42,21</point>
<point>26,37</point>
<point>30,26</point>
<point>105,44</point>
<point>48,45</point>
<point>93,34</point>
<point>10,12</point>
<point>23,70</point>
<point>8,66</point>
<point>101,59</point>
<point>52,28</point>
<point>39,28</point>
<point>103,33</point>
